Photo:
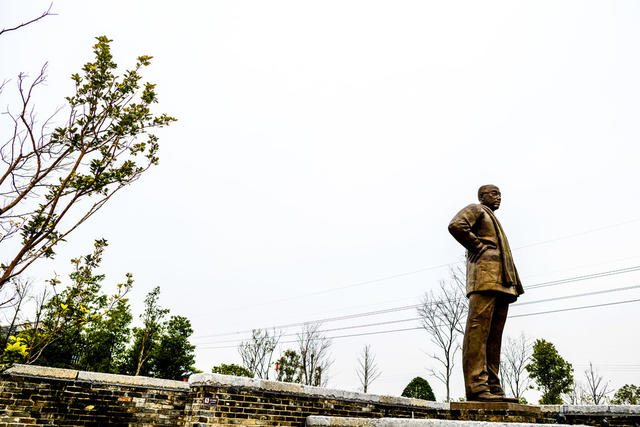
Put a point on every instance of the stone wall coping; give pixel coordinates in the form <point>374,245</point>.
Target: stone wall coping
<point>137,381</point>
<point>42,372</point>
<point>95,377</point>
<point>209,379</point>
<point>320,421</point>
<point>592,409</point>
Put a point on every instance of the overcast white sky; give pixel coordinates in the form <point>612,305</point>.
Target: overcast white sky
<point>325,144</point>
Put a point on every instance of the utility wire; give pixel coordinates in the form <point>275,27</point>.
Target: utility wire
<point>433,267</point>
<point>582,233</point>
<point>388,322</point>
<point>605,291</point>
<point>413,298</point>
<point>585,294</point>
<point>338,336</point>
<point>585,277</point>
<point>412,319</point>
<point>576,308</point>
<point>417,328</point>
<point>413,306</point>
<point>325,320</point>
<point>356,284</point>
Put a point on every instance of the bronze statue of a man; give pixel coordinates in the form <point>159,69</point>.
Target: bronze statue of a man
<point>492,284</point>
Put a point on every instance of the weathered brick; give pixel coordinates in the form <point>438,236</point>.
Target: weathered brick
<point>64,401</point>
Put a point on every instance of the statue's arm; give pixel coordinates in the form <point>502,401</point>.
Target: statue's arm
<point>460,228</point>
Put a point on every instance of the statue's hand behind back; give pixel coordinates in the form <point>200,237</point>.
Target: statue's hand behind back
<point>474,256</point>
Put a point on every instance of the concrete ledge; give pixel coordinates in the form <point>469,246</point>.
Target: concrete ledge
<point>430,404</point>
<point>495,406</point>
<point>138,381</point>
<point>333,393</point>
<point>604,410</point>
<point>42,372</point>
<point>205,379</point>
<point>95,377</point>
<point>317,421</point>
<point>218,380</point>
<point>395,400</point>
<point>281,386</point>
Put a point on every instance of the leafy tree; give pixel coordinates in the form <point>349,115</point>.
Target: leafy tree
<point>105,340</point>
<point>146,339</point>
<point>288,367</point>
<point>57,337</point>
<point>174,355</point>
<point>419,388</point>
<point>13,303</point>
<point>628,394</point>
<point>550,371</point>
<point>232,369</point>
<point>54,180</point>
<point>19,348</point>
<point>14,351</point>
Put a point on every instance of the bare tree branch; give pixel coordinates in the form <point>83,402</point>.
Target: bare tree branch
<point>257,352</point>
<point>24,24</point>
<point>442,315</point>
<point>55,180</point>
<point>313,348</point>
<point>597,388</point>
<point>367,368</point>
<point>21,289</point>
<point>577,395</point>
<point>515,357</point>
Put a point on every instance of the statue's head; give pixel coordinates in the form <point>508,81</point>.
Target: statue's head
<point>489,195</point>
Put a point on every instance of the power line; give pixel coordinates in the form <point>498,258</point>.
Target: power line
<point>615,365</point>
<point>605,291</point>
<point>388,322</point>
<point>417,328</point>
<point>585,294</point>
<point>413,306</point>
<point>356,284</point>
<point>433,267</point>
<point>576,308</point>
<point>361,306</point>
<point>334,337</point>
<point>585,277</point>
<point>325,320</point>
<point>418,318</point>
<point>582,233</point>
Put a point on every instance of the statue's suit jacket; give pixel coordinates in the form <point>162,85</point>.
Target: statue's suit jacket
<point>473,227</point>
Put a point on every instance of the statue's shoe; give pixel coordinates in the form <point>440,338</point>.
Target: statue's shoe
<point>484,396</point>
<point>499,392</point>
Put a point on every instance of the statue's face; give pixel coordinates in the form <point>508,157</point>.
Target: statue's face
<point>491,198</point>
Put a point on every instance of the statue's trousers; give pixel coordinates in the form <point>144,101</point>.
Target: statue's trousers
<point>482,341</point>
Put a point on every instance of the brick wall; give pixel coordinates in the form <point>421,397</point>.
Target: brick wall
<point>32,395</point>
<point>222,400</point>
<point>595,415</point>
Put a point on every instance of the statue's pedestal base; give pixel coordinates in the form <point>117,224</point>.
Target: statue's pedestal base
<point>495,406</point>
